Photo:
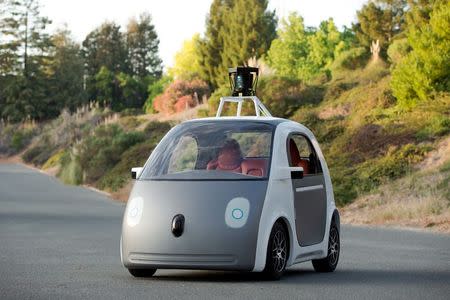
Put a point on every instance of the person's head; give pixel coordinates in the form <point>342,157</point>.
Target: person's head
<point>230,155</point>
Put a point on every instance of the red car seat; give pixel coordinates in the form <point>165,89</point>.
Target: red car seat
<point>296,160</point>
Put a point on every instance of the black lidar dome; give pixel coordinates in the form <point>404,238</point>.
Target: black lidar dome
<point>243,81</point>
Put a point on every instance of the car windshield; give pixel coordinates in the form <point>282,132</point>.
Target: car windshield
<point>212,150</point>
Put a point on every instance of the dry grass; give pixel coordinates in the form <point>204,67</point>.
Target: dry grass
<point>417,200</point>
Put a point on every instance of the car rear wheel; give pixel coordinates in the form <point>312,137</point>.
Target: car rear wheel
<point>277,253</point>
<point>329,263</point>
<point>142,272</point>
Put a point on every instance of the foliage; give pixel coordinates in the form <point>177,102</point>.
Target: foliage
<point>234,33</point>
<point>380,20</point>
<point>187,60</point>
<point>39,153</point>
<point>100,152</point>
<point>426,69</point>
<point>305,53</point>
<point>156,89</point>
<point>351,59</point>
<point>180,95</point>
<point>142,45</point>
<point>70,171</point>
<point>283,96</point>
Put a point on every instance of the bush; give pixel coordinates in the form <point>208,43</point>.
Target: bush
<point>40,153</point>
<point>398,50</point>
<point>100,152</point>
<point>70,171</point>
<point>396,163</point>
<point>118,176</point>
<point>283,96</point>
<point>155,89</point>
<point>175,92</point>
<point>352,59</point>
<point>136,155</point>
<point>426,69</point>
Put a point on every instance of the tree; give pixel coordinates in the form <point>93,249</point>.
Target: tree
<point>324,45</point>
<point>66,72</point>
<point>103,47</point>
<point>236,30</point>
<point>300,53</point>
<point>25,48</point>
<point>426,69</point>
<point>248,32</point>
<point>288,52</point>
<point>211,46</point>
<point>142,44</point>
<point>380,20</point>
<point>187,60</point>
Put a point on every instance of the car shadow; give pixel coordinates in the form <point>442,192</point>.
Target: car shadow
<point>309,277</point>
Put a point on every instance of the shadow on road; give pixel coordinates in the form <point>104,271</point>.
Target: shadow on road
<point>340,277</point>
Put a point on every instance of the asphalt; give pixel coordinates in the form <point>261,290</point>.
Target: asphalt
<point>62,242</point>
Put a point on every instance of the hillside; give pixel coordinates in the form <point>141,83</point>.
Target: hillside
<point>389,165</point>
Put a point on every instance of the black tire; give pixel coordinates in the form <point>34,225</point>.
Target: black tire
<point>329,263</point>
<point>142,272</point>
<point>277,252</point>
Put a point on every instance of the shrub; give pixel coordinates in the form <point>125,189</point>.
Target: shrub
<point>166,102</point>
<point>70,171</point>
<point>118,176</point>
<point>100,152</point>
<point>351,59</point>
<point>155,89</point>
<point>155,131</point>
<point>426,69</point>
<point>54,160</point>
<point>396,163</point>
<point>40,153</point>
<point>283,96</point>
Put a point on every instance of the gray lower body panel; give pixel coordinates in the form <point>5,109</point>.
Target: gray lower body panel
<point>208,241</point>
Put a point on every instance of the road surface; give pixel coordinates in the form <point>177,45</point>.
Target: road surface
<point>61,242</point>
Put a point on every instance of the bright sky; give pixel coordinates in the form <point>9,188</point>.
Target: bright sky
<point>178,20</point>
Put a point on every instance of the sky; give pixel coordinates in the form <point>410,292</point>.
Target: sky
<point>177,20</point>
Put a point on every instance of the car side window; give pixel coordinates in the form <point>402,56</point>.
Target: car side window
<point>301,153</point>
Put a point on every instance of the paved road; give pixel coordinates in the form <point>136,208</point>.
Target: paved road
<point>61,242</point>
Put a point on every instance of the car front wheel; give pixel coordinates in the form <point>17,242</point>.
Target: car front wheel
<point>329,263</point>
<point>277,253</point>
<point>142,272</point>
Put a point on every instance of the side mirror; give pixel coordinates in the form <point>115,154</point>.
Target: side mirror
<point>136,172</point>
<point>296,172</point>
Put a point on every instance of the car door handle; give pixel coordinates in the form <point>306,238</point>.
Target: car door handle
<point>309,188</point>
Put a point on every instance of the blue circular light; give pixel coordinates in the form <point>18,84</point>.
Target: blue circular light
<point>237,213</point>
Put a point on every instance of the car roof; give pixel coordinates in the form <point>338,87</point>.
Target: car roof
<point>267,120</point>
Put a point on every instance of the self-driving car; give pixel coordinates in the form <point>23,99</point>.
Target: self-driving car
<point>247,193</point>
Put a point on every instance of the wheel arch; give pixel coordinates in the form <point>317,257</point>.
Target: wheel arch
<point>285,223</point>
<point>336,219</point>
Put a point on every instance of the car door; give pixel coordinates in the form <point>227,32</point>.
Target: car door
<point>309,192</point>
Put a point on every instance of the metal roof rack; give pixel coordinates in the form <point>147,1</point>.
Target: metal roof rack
<point>260,109</point>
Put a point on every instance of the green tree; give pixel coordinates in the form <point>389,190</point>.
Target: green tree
<point>303,54</point>
<point>288,53</point>
<point>142,45</point>
<point>25,48</point>
<point>103,47</point>
<point>380,20</point>
<point>426,69</point>
<point>236,31</point>
<point>66,72</point>
<point>187,60</point>
<point>211,46</point>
